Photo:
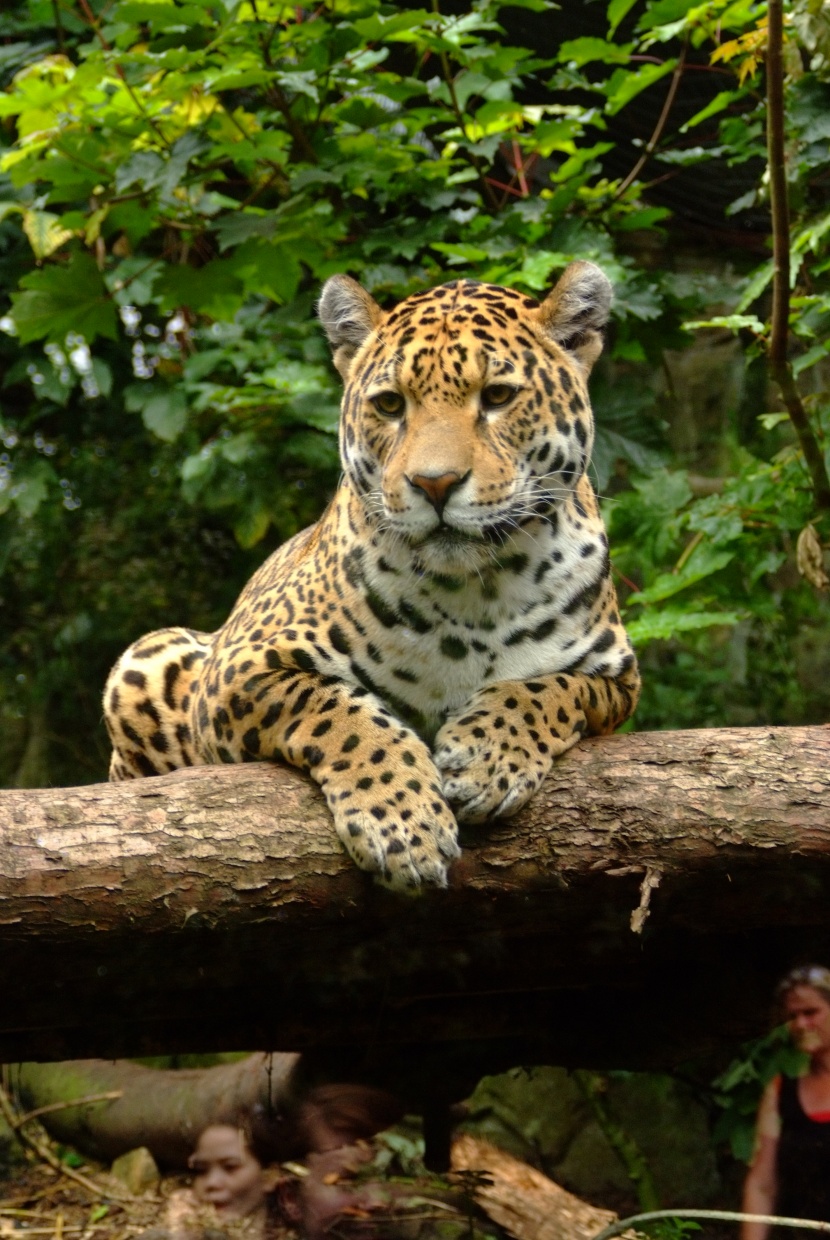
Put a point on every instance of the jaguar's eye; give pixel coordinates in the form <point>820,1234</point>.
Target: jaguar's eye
<point>496,395</point>
<point>390,404</point>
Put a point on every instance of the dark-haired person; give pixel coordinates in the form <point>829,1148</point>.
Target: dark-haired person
<point>227,1174</point>
<point>232,1191</point>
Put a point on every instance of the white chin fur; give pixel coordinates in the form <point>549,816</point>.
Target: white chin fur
<point>443,554</point>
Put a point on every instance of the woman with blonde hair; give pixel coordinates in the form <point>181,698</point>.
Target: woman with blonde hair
<point>790,1171</point>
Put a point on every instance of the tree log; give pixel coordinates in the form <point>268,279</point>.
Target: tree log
<point>524,1202</point>
<point>163,1110</point>
<point>214,909</point>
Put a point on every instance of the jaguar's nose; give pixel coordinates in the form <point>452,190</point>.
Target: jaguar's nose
<point>438,489</point>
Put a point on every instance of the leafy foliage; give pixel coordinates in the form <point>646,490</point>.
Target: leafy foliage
<point>176,179</point>
<point>738,1090</point>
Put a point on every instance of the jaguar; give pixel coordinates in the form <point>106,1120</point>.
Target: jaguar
<point>450,625</point>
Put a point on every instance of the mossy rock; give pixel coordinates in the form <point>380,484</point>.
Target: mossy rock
<point>541,1116</point>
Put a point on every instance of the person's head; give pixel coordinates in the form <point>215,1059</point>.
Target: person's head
<point>331,1116</point>
<point>804,998</point>
<point>226,1173</point>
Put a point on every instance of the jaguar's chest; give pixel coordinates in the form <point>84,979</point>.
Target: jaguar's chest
<point>426,642</point>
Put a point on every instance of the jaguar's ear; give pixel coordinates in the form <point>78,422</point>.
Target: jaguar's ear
<point>348,315</point>
<point>576,311</point>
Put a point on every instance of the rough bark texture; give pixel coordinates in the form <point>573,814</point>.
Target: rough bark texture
<point>214,908</point>
<point>163,1110</point>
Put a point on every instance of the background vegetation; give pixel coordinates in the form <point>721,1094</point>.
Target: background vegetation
<point>178,176</point>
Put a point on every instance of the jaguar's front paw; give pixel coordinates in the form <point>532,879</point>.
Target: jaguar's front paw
<point>405,849</point>
<point>494,757</point>
<point>400,828</point>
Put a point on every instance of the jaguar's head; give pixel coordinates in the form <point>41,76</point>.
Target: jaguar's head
<point>465,415</point>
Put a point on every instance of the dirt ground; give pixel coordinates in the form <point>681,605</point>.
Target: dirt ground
<point>36,1200</point>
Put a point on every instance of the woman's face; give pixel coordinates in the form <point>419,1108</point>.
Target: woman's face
<point>225,1172</point>
<point>807,1014</point>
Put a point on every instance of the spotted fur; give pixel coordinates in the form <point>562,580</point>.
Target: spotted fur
<point>449,626</point>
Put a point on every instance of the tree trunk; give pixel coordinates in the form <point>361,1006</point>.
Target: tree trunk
<point>33,768</point>
<point>214,908</point>
<point>161,1109</point>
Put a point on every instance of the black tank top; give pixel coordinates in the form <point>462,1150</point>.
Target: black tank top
<point>803,1160</point>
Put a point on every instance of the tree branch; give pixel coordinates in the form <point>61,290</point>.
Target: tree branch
<point>662,121</point>
<point>779,366</point>
<point>214,908</point>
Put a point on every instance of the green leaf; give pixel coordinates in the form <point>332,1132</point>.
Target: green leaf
<point>252,527</point>
<point>735,323</point>
<point>664,12</point>
<point>30,488</point>
<point>536,6</point>
<point>274,270</point>
<point>300,83</point>
<point>240,225</point>
<point>666,492</point>
<point>131,282</point>
<point>145,169</point>
<point>102,374</point>
<point>670,622</point>
<point>215,289</point>
<point>624,85</point>
<point>461,253</point>
<point>162,15</point>
<point>639,299</point>
<point>702,563</point>
<point>238,449</point>
<point>811,237</point>
<point>769,421</point>
<point>743,202</point>
<point>76,629</point>
<point>646,217</point>
<point>165,414</point>
<point>721,101</point>
<point>316,411</point>
<point>379,26</point>
<point>611,447</point>
<point>770,562</point>
<point>811,357</point>
<point>809,110</point>
<point>537,267</point>
<point>617,9</point>
<point>472,83</point>
<point>44,232</point>
<point>365,113</point>
<point>557,135</point>
<point>64,298</point>
<point>755,287</point>
<point>586,50</point>
<point>197,470</point>
<point>234,78</point>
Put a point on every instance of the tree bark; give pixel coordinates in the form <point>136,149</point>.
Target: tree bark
<point>522,1200</point>
<point>214,908</point>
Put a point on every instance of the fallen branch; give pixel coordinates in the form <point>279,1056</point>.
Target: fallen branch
<point>523,1200</point>
<point>40,1148</point>
<point>51,1107</point>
